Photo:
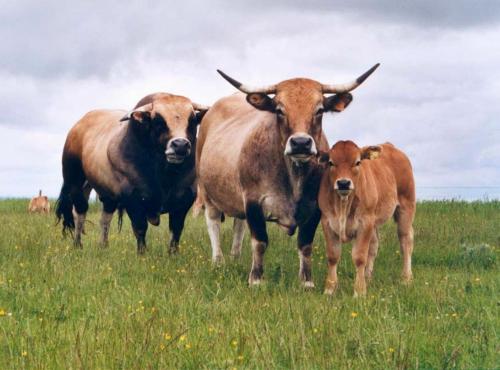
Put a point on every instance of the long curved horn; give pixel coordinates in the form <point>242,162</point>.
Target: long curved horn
<point>271,89</point>
<point>343,88</point>
<point>200,107</point>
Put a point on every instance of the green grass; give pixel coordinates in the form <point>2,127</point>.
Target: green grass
<point>95,308</point>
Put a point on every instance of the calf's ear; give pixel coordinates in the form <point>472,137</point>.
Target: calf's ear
<point>371,152</point>
<point>261,102</point>
<point>337,102</point>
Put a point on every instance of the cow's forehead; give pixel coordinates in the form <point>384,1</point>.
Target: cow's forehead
<point>173,108</point>
<point>301,91</point>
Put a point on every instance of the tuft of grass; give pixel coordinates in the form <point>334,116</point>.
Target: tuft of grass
<point>108,308</point>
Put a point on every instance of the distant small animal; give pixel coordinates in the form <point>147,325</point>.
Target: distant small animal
<point>39,204</point>
<point>141,161</point>
<point>360,190</point>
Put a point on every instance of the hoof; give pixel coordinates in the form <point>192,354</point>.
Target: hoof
<point>141,251</point>
<point>78,245</point>
<point>406,280</point>
<point>218,260</point>
<point>173,251</point>
<point>255,282</point>
<point>308,285</point>
<point>235,256</point>
<point>359,295</point>
<point>154,220</point>
<point>329,291</point>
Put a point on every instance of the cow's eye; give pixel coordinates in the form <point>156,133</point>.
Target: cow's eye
<point>330,163</point>
<point>320,111</point>
<point>358,163</point>
<point>280,112</point>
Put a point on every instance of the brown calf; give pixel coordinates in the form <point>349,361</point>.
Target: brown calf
<point>361,189</point>
<point>39,204</point>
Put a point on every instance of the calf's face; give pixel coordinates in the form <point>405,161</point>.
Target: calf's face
<point>169,124</point>
<point>345,165</point>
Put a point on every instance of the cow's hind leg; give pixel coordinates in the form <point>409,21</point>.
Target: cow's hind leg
<point>305,240</point>
<point>81,206</point>
<point>213,219</point>
<point>238,235</point>
<point>257,225</point>
<point>372,254</point>
<point>404,216</point>
<point>108,209</point>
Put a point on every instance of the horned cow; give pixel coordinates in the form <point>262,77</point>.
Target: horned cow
<point>141,161</point>
<point>257,160</point>
<point>361,189</point>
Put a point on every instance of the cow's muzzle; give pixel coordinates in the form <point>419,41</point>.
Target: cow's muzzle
<point>300,147</point>
<point>343,187</point>
<point>177,150</point>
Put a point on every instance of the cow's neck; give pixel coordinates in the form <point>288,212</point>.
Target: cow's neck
<point>298,174</point>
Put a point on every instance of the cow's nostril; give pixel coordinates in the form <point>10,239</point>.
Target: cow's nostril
<point>344,184</point>
<point>180,146</point>
<point>301,142</point>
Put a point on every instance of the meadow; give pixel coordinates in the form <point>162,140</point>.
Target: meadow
<point>63,308</point>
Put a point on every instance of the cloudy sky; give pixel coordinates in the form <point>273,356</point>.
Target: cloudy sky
<point>436,94</point>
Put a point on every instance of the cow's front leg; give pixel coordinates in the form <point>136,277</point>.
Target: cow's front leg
<point>213,219</point>
<point>137,215</point>
<point>177,218</point>
<point>304,243</point>
<point>259,239</point>
<point>333,252</point>
<point>360,257</point>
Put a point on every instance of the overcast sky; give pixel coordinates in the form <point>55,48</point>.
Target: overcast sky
<point>436,94</point>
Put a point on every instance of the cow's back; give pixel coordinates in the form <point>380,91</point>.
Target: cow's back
<point>89,141</point>
<point>225,130</point>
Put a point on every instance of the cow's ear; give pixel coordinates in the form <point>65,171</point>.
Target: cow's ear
<point>323,157</point>
<point>198,115</point>
<point>371,152</point>
<point>337,103</point>
<point>261,102</point>
<point>140,117</point>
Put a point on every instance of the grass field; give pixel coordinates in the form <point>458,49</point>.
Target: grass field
<point>108,308</point>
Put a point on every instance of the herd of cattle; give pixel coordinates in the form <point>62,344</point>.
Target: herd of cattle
<point>259,155</point>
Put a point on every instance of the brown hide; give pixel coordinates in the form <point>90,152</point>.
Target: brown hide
<point>378,189</point>
<point>39,204</point>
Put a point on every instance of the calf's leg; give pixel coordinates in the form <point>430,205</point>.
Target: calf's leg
<point>360,258</point>
<point>372,254</point>
<point>333,252</point>
<point>404,218</point>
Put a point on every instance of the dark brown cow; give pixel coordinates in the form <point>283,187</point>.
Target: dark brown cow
<point>142,162</point>
<point>256,160</point>
<point>360,191</point>
<point>39,204</point>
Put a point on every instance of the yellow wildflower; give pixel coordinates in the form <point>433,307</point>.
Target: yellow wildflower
<point>354,315</point>
<point>182,338</point>
<point>187,346</point>
<point>2,312</point>
<point>167,336</point>
<point>454,314</point>
<point>24,353</point>
<point>391,350</point>
<point>234,343</point>
<point>240,357</point>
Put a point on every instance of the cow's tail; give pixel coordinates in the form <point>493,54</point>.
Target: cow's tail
<point>64,210</point>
